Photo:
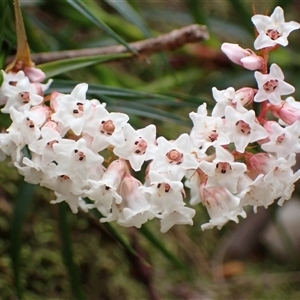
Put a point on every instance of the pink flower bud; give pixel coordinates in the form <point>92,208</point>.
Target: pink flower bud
<point>53,102</point>
<point>286,112</point>
<point>243,57</point>
<point>52,125</point>
<point>34,74</point>
<point>43,113</point>
<point>245,95</point>
<point>258,164</point>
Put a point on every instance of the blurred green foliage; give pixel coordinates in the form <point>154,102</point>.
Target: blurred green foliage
<point>98,262</point>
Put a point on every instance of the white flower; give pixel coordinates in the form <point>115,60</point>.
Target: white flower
<point>242,128</point>
<point>74,202</point>
<point>139,145</point>
<point>272,30</point>
<point>105,191</point>
<point>75,160</point>
<point>106,129</point>
<point>222,206</point>
<point>24,128</point>
<point>282,177</point>
<point>20,94</point>
<point>73,110</point>
<point>283,141</point>
<point>271,86</point>
<point>134,210</point>
<point>174,157</point>
<point>44,146</point>
<point>225,98</point>
<point>260,193</point>
<point>206,130</point>
<point>223,171</point>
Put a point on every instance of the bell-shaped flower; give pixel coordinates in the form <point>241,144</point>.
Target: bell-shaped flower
<point>272,30</point>
<point>75,160</point>
<point>164,194</point>
<point>20,94</point>
<point>243,57</point>
<point>74,202</point>
<point>242,128</point>
<point>283,177</point>
<point>174,157</point>
<point>103,192</point>
<point>139,145</point>
<point>222,206</point>
<point>225,98</point>
<point>106,128</point>
<point>271,86</point>
<point>24,128</point>
<point>206,131</point>
<point>44,146</point>
<point>135,209</point>
<point>72,111</point>
<point>260,193</point>
<point>223,170</point>
<point>283,141</point>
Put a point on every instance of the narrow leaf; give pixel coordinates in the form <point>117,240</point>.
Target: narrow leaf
<point>130,14</point>
<point>115,234</point>
<point>67,252</point>
<point>145,231</point>
<point>21,205</point>
<point>54,68</point>
<point>83,9</point>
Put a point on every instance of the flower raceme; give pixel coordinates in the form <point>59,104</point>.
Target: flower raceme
<point>69,137</point>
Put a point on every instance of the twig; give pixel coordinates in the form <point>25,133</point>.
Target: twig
<point>174,39</point>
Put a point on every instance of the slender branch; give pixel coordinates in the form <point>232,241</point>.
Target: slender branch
<point>174,39</point>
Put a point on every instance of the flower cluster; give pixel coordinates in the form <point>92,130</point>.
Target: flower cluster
<point>231,159</point>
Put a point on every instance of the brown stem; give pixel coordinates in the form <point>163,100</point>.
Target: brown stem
<point>174,39</point>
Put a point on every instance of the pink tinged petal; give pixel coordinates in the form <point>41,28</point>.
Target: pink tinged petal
<point>252,62</point>
<point>234,52</point>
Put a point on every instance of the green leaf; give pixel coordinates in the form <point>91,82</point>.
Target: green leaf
<point>54,68</point>
<point>67,251</point>
<point>130,14</point>
<point>114,233</point>
<point>145,231</point>
<point>85,11</point>
<point>22,203</point>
